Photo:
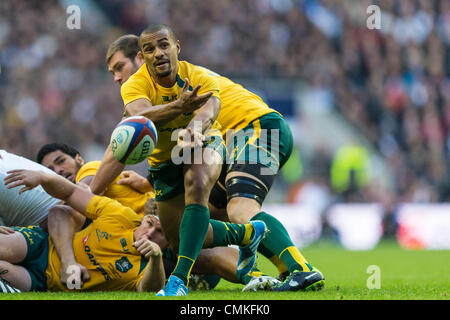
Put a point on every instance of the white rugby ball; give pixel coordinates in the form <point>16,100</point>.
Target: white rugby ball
<point>133,140</point>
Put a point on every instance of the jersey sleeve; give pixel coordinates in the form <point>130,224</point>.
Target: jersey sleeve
<point>89,169</point>
<point>106,208</point>
<point>207,79</point>
<point>133,89</point>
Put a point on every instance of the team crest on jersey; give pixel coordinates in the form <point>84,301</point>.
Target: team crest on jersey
<point>102,235</point>
<point>123,264</point>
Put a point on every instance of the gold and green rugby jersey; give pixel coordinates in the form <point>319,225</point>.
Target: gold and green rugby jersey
<point>239,106</point>
<point>126,195</point>
<point>105,248</point>
<point>141,86</point>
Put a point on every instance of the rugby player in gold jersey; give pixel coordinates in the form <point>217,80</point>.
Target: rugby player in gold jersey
<point>249,125</point>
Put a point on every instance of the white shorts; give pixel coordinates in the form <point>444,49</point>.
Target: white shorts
<point>29,208</point>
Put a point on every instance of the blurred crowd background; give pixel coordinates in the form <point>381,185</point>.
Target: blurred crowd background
<point>390,87</point>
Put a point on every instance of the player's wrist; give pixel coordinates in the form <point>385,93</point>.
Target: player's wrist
<point>146,187</point>
<point>177,106</point>
<point>67,263</point>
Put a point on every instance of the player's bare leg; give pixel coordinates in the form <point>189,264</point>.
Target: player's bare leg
<point>13,250</point>
<point>198,181</point>
<point>244,209</point>
<point>13,247</point>
<point>195,229</point>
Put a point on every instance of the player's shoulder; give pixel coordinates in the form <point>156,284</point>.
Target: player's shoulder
<point>141,76</point>
<point>196,69</point>
<point>91,165</point>
<point>108,209</point>
<point>88,169</point>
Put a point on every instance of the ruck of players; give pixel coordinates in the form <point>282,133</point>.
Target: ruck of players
<point>197,217</point>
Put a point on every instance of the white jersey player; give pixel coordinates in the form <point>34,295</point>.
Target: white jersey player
<point>29,208</point>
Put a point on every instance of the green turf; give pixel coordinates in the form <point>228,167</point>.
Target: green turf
<point>404,275</point>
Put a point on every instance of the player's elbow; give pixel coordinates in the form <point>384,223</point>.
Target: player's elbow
<point>215,107</point>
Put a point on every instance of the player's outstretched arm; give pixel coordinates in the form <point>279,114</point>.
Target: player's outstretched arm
<point>55,185</point>
<point>108,170</point>
<point>160,114</point>
<point>189,101</point>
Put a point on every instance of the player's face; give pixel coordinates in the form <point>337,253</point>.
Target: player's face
<point>63,164</point>
<point>122,67</point>
<point>160,53</point>
<point>150,229</point>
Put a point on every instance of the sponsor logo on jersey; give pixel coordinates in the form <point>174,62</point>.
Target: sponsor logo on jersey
<point>123,264</point>
<point>97,265</point>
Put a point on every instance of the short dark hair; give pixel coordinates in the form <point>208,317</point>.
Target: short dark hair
<point>156,27</point>
<point>55,146</point>
<point>128,44</point>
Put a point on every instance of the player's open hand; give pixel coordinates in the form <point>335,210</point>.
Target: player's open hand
<point>6,230</point>
<point>188,138</point>
<point>190,100</point>
<point>27,178</point>
<point>147,248</point>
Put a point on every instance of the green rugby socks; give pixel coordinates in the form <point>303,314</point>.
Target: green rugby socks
<point>226,233</point>
<point>193,229</point>
<point>280,244</point>
<point>281,267</point>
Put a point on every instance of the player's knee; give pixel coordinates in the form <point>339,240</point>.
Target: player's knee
<point>197,185</point>
<point>4,265</point>
<point>5,252</point>
<point>11,251</point>
<point>241,210</point>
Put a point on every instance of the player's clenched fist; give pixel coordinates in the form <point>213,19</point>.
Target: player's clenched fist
<point>147,248</point>
<point>135,181</point>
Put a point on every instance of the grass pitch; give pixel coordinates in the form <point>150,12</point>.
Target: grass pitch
<point>404,275</point>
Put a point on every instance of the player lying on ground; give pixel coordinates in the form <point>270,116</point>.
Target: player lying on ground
<point>114,248</point>
<point>95,207</point>
<point>64,222</point>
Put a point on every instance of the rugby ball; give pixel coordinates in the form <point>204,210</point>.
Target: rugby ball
<point>133,140</point>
